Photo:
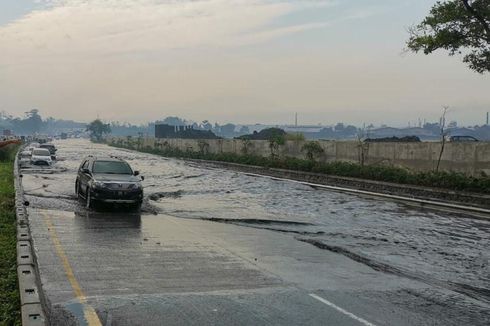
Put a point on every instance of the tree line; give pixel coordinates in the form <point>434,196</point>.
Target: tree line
<point>32,123</point>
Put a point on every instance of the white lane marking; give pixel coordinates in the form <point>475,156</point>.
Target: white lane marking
<point>345,312</point>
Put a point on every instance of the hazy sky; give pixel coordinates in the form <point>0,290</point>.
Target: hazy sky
<point>244,61</point>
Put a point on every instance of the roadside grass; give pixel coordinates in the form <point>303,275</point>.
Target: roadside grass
<point>9,293</point>
<point>443,180</point>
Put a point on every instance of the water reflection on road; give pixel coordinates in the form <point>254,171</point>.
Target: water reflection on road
<point>437,248</point>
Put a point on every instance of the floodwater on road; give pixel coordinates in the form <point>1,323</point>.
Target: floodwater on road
<point>440,249</point>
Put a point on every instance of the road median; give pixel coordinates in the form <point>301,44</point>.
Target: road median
<point>410,191</point>
<point>30,290</point>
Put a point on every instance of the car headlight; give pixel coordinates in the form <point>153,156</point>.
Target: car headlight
<point>98,184</point>
<point>138,186</point>
<point>135,186</point>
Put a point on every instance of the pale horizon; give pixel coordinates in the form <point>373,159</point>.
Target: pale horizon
<point>255,61</point>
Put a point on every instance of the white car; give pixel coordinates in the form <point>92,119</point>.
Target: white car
<point>41,156</point>
<point>25,158</point>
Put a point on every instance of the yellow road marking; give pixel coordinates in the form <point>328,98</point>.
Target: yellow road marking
<point>89,312</point>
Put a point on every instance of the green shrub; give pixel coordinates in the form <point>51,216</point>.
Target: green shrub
<point>295,136</point>
<point>9,294</point>
<point>7,153</point>
<point>312,149</point>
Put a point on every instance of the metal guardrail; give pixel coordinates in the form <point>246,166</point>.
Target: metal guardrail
<point>32,312</point>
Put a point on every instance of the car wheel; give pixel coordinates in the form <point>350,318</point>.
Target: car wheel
<point>77,189</point>
<point>89,201</point>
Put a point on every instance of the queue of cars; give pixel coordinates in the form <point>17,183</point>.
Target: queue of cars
<point>109,180</point>
<point>38,154</point>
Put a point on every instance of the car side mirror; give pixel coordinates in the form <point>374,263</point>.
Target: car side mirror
<point>86,171</point>
<point>136,173</point>
<point>142,178</point>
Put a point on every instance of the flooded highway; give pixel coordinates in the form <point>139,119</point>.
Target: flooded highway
<point>264,251</point>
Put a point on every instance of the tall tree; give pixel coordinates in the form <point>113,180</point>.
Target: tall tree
<point>458,26</point>
<point>174,121</point>
<point>228,130</point>
<point>33,122</point>
<point>97,129</point>
<point>444,133</point>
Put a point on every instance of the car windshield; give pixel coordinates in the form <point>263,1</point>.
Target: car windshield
<point>40,152</point>
<point>112,167</point>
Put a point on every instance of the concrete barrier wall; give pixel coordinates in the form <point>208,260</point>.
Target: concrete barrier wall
<point>468,158</point>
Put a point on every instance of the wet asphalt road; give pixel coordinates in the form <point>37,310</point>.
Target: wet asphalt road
<point>217,247</point>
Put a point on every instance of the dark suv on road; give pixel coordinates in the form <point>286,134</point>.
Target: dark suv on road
<point>52,150</point>
<point>108,180</point>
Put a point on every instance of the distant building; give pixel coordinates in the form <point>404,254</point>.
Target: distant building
<point>302,129</point>
<point>165,131</point>
<point>7,132</point>
<point>188,132</point>
<point>421,133</point>
<point>264,134</point>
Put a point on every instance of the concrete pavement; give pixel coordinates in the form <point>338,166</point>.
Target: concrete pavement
<point>128,269</point>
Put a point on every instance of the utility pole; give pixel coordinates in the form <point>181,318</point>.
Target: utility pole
<point>487,118</point>
<point>296,119</point>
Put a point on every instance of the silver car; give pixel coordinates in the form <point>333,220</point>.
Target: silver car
<point>41,156</point>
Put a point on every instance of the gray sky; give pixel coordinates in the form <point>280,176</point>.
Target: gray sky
<point>244,61</point>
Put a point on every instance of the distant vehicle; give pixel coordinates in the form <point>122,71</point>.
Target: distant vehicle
<point>64,135</point>
<point>25,153</point>
<point>34,145</point>
<point>52,149</point>
<point>462,139</point>
<point>108,180</point>
<point>25,157</point>
<point>41,156</point>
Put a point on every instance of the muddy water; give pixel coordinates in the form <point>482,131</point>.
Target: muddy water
<point>437,248</point>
